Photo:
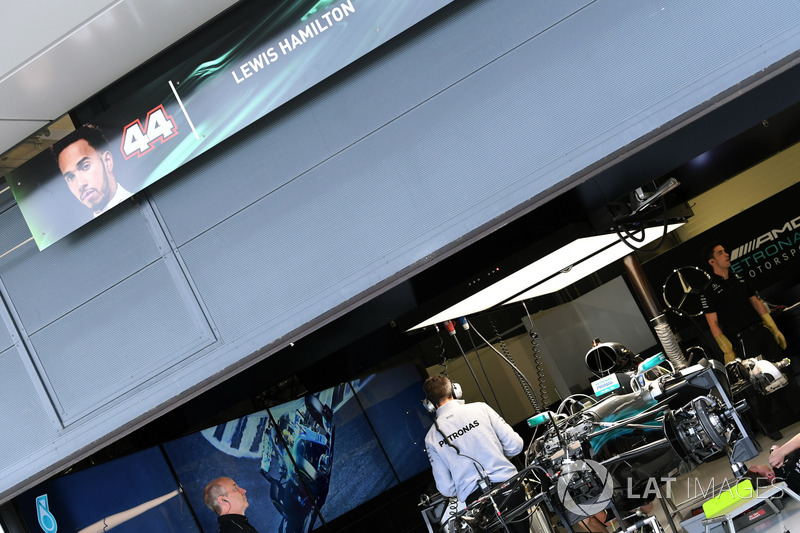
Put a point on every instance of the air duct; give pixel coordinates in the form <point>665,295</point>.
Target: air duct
<point>656,317</point>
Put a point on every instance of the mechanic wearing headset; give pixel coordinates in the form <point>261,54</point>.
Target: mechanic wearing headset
<point>468,446</point>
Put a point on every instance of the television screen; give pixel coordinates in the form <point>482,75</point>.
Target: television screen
<point>301,462</point>
<point>392,401</point>
<point>357,468</point>
<point>131,494</point>
<point>232,449</point>
<point>271,54</point>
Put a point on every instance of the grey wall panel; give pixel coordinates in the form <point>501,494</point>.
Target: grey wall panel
<point>26,426</point>
<point>565,332</point>
<point>123,337</point>
<point>44,286</point>
<point>6,200</point>
<point>293,246</point>
<point>5,338</point>
<point>199,195</point>
<point>237,173</point>
<point>5,335</point>
<point>430,63</point>
<point>14,232</point>
<point>447,166</point>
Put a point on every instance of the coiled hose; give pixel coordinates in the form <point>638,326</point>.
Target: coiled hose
<point>522,381</point>
<point>669,342</point>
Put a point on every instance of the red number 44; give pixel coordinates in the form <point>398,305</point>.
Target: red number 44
<point>158,126</point>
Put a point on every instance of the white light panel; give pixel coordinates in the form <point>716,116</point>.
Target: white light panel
<point>565,266</point>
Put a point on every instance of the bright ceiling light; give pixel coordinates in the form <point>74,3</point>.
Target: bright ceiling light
<point>553,272</point>
<point>523,279</point>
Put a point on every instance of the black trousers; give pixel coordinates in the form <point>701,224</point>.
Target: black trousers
<point>757,340</point>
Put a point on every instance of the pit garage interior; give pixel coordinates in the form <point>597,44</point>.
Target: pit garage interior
<point>532,124</point>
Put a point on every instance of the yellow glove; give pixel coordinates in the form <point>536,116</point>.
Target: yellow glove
<point>726,347</point>
<point>766,318</point>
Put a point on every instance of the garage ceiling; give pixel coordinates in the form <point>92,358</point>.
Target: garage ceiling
<point>58,54</point>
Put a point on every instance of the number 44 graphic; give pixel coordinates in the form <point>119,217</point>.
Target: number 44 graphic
<point>46,520</point>
<point>138,140</point>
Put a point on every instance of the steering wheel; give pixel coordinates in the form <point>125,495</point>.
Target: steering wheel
<point>682,290</point>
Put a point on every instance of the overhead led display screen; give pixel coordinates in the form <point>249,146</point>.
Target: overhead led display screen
<point>226,85</point>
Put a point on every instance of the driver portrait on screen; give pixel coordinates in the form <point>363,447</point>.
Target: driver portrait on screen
<point>88,169</point>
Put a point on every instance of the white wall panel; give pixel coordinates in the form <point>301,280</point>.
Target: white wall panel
<point>566,332</point>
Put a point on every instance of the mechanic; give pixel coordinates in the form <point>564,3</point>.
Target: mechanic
<point>228,501</point>
<point>740,323</point>
<point>788,453</point>
<point>784,465</point>
<point>469,446</point>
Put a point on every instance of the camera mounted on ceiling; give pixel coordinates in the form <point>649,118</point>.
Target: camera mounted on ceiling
<point>652,202</point>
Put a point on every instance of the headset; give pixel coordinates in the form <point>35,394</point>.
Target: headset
<point>455,392</point>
